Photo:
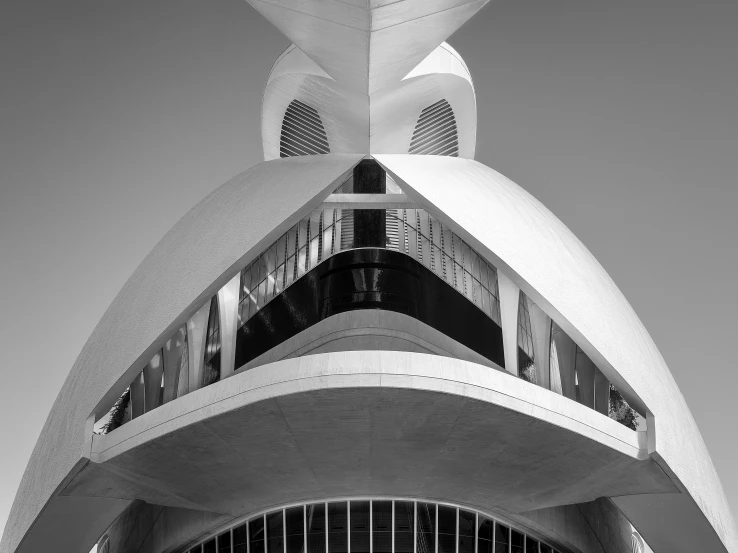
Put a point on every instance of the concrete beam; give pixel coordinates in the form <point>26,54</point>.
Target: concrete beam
<point>368,201</point>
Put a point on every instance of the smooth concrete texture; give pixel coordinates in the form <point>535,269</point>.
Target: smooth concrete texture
<point>369,330</point>
<point>369,423</point>
<point>532,247</point>
<point>201,253</point>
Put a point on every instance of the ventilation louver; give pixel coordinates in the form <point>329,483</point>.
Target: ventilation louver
<point>302,132</point>
<point>435,133</point>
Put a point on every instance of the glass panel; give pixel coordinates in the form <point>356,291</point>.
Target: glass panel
<point>359,527</point>
<point>281,250</point>
<point>196,549</point>
<point>446,529</point>
<point>404,526</point>
<point>502,538</point>
<point>254,297</point>
<point>209,546</point>
<point>239,539</point>
<point>327,233</point>
<point>301,261</point>
<point>516,542</point>
<point>290,270</point>
<point>426,527</point>
<point>381,527</point>
<point>291,236</point>
<point>531,545</point>
<point>270,280</point>
<point>337,527</point>
<point>295,529</point>
<point>315,516</point>
<point>256,535</point>
<point>466,532</point>
<point>224,543</point>
<point>271,259</point>
<point>485,535</point>
<point>280,280</point>
<point>275,532</point>
<point>262,294</point>
<point>546,548</point>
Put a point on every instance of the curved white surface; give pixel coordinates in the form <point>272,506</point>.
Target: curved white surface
<point>536,250</point>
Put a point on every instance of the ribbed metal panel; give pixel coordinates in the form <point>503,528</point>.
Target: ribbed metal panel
<point>302,132</point>
<point>435,133</point>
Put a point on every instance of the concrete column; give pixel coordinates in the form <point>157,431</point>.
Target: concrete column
<point>152,381</point>
<point>138,394</point>
<point>509,298</point>
<point>172,362</point>
<point>228,303</point>
<point>586,375</point>
<point>602,393</point>
<point>566,349</point>
<point>197,327</point>
<point>540,325</point>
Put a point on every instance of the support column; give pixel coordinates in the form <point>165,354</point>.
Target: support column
<point>197,327</point>
<point>566,349</point>
<point>228,303</point>
<point>152,381</point>
<point>138,407</point>
<point>602,393</point>
<point>586,376</point>
<point>509,298</point>
<point>172,362</point>
<point>540,325</point>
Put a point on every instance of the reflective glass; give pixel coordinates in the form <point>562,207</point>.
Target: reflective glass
<point>381,527</point>
<point>359,526</point>
<point>466,532</point>
<point>404,526</point>
<point>338,527</point>
<point>275,532</point>
<point>531,545</point>
<point>224,543</point>
<point>256,535</point>
<point>426,527</point>
<point>295,528</point>
<point>446,529</point>
<point>516,542</point>
<point>239,539</point>
<point>502,538</point>
<point>546,549</point>
<point>485,535</point>
<point>209,546</point>
<point>315,519</point>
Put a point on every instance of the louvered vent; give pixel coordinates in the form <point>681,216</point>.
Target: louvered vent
<point>435,133</point>
<point>302,132</point>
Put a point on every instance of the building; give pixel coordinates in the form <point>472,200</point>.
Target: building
<point>370,342</point>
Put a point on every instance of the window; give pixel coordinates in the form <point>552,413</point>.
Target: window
<point>526,358</point>
<point>435,132</point>
<point>211,362</point>
<point>302,132</point>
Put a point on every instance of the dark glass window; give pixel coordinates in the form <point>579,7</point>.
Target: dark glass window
<point>295,526</point>
<point>446,529</point>
<point>517,541</point>
<point>404,526</point>
<point>485,536</point>
<point>209,546</point>
<point>224,542</point>
<point>359,527</point>
<point>211,361</point>
<point>426,527</point>
<point>256,535</point>
<point>381,527</point>
<point>315,517</point>
<point>502,538</point>
<point>239,539</point>
<point>338,527</point>
<point>466,532</point>
<point>531,545</point>
<point>526,365</point>
<point>546,548</point>
<point>197,549</point>
<point>275,532</point>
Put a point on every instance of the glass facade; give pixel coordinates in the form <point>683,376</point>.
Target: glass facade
<point>526,356</point>
<point>372,526</point>
<point>211,360</point>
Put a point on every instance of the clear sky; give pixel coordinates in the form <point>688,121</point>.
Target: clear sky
<point>118,116</point>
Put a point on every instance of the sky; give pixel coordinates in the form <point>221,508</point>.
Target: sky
<point>116,117</point>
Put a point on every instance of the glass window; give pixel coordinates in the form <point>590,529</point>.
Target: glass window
<point>256,535</point>
<point>466,532</point>
<point>209,546</point>
<point>531,545</point>
<point>359,527</point>
<point>381,527</point>
<point>275,532</point>
<point>502,538</point>
<point>404,526</point>
<point>224,542</point>
<point>446,529</point>
<point>485,535</point>
<point>526,365</point>
<point>337,527</point>
<point>426,527</point>
<point>211,361</point>
<point>315,519</point>
<point>239,539</point>
<point>295,528</point>
<point>546,549</point>
<point>516,542</point>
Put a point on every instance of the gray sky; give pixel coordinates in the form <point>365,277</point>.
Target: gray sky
<point>118,116</point>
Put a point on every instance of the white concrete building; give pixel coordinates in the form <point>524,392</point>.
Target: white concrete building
<point>370,343</point>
